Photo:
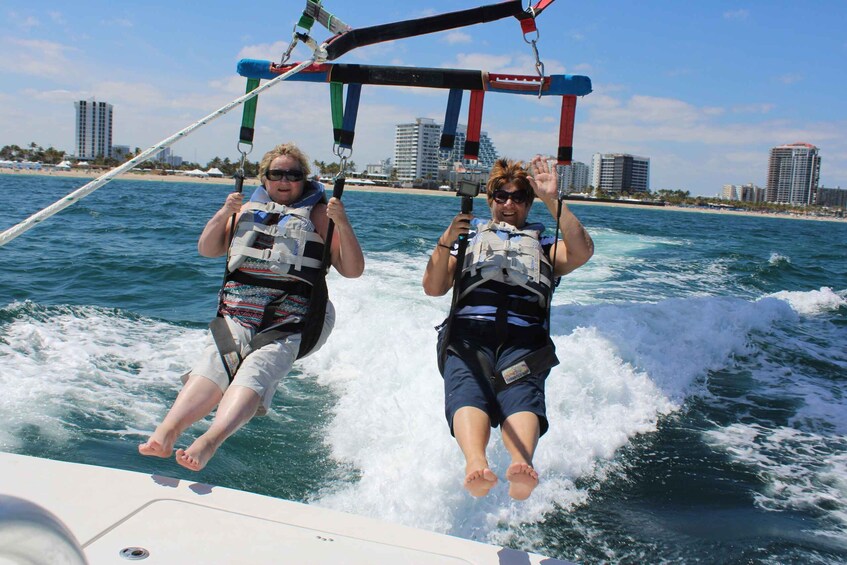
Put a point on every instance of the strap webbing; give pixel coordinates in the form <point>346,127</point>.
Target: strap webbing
<point>351,111</point>
<point>336,101</point>
<point>474,125</point>
<point>565,153</point>
<point>451,119</point>
<point>538,8</point>
<point>315,12</point>
<point>248,116</point>
<point>421,26</point>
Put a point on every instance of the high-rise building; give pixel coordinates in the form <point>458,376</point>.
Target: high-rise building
<point>93,129</point>
<point>832,197</point>
<point>793,174</point>
<point>487,152</point>
<point>751,193</point>
<point>617,173</point>
<point>573,177</point>
<point>416,150</point>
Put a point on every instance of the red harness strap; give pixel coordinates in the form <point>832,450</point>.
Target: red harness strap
<point>474,125</point>
<point>565,153</point>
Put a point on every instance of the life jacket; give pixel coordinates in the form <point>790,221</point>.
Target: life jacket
<point>502,253</point>
<point>296,248</point>
<point>290,255</point>
<point>506,272</point>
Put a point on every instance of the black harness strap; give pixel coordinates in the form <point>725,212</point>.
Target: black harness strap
<point>410,28</point>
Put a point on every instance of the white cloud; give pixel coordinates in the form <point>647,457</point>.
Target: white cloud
<point>740,14</point>
<point>790,78</point>
<point>118,22</point>
<point>763,108</point>
<point>456,37</point>
<point>35,57</point>
<point>25,23</point>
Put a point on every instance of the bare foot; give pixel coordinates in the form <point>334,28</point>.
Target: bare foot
<point>157,447</point>
<point>197,455</point>
<point>522,480</point>
<point>479,482</point>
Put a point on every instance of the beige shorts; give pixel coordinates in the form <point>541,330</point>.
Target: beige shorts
<point>262,369</point>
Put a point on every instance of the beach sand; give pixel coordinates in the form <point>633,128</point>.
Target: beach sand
<point>86,177</point>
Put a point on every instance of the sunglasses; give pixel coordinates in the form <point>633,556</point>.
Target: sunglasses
<point>518,197</point>
<point>291,175</point>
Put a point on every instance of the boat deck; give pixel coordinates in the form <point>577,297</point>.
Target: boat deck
<point>110,511</point>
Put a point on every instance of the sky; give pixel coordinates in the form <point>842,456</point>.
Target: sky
<point>703,90</point>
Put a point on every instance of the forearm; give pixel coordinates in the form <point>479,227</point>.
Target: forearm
<point>578,243</point>
<point>438,278</point>
<point>350,262</point>
<point>213,240</point>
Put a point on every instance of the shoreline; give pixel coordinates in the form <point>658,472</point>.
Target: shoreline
<point>148,177</point>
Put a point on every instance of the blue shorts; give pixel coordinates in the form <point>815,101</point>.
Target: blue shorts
<point>466,382</point>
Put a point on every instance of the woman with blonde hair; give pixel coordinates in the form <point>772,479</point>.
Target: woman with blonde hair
<point>273,307</point>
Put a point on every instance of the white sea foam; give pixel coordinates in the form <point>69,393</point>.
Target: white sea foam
<point>802,470</point>
<point>622,367</point>
<point>814,302</point>
<point>777,259</point>
<point>85,359</point>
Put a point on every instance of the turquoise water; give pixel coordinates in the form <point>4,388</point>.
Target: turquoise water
<point>698,414</point>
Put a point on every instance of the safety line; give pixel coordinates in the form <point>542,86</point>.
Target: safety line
<point>81,193</point>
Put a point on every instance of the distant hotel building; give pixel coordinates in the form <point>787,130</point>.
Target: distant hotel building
<point>616,173</point>
<point>745,192</point>
<point>93,129</point>
<point>832,197</point>
<point>793,174</point>
<point>574,177</point>
<point>416,150</point>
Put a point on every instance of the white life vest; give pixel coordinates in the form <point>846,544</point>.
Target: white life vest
<point>296,250</point>
<point>503,253</point>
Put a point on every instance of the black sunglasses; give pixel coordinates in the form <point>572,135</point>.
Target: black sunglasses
<point>291,175</point>
<point>518,197</point>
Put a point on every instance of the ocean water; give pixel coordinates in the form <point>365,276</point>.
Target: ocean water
<point>697,416</point>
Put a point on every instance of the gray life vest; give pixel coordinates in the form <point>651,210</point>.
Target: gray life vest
<point>292,246</point>
<point>503,253</point>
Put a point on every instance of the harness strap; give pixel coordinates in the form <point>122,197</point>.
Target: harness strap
<point>248,116</point>
<point>295,288</point>
<point>565,153</point>
<point>540,360</point>
<point>451,119</point>
<point>314,11</point>
<point>410,28</point>
<point>227,348</point>
<point>535,362</point>
<point>523,307</point>
<point>336,102</point>
<point>474,125</point>
<point>351,111</point>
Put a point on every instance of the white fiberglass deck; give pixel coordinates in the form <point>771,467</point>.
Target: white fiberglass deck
<point>181,522</point>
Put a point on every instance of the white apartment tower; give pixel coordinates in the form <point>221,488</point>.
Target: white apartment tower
<point>617,173</point>
<point>416,149</point>
<point>573,177</point>
<point>793,174</point>
<point>93,129</point>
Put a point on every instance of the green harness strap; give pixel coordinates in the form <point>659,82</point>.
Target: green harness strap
<point>336,100</point>
<point>248,118</point>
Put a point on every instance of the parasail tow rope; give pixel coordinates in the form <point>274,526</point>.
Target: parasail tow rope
<point>81,193</point>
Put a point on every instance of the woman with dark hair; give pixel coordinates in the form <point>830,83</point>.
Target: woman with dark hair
<point>495,350</point>
<point>274,298</point>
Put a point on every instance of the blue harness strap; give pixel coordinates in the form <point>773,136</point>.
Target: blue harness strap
<point>451,119</point>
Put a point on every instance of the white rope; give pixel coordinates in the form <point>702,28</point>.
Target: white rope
<point>81,193</point>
